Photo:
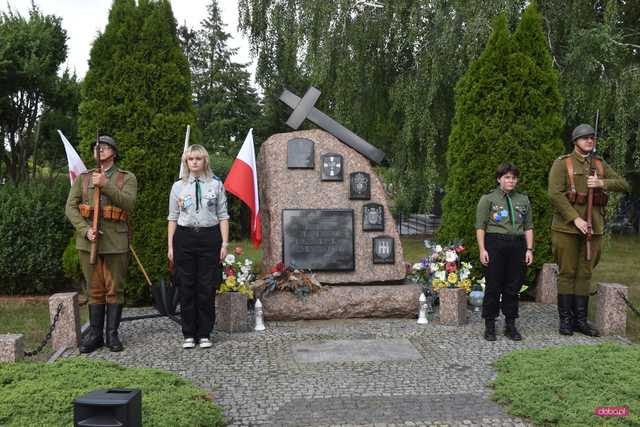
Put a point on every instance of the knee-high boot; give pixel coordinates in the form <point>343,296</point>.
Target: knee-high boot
<point>114,314</point>
<point>581,307</point>
<point>565,312</point>
<point>94,339</point>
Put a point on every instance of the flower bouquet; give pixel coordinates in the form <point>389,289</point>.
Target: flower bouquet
<point>237,274</point>
<point>443,269</point>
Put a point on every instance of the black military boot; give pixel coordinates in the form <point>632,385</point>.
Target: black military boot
<point>94,339</point>
<point>490,329</point>
<point>510,330</point>
<point>581,308</point>
<point>114,314</point>
<point>565,312</point>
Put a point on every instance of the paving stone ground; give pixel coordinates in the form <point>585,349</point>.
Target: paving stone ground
<point>260,378</point>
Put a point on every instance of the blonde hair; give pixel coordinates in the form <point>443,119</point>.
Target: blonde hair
<point>195,149</point>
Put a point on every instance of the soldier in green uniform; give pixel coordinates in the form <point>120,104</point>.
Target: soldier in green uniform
<point>570,179</point>
<point>106,277</point>
<point>504,230</point>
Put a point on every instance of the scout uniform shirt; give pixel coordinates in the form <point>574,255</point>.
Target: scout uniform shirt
<point>115,234</point>
<point>492,214</point>
<point>565,212</point>
<point>188,211</point>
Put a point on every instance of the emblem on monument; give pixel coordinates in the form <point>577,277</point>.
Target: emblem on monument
<point>383,250</point>
<point>360,186</point>
<point>331,167</point>
<point>373,217</point>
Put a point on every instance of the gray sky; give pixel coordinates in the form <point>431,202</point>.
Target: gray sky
<point>83,19</point>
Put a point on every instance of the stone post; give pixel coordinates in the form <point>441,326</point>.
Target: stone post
<point>67,331</point>
<point>453,306</point>
<point>547,285</point>
<point>611,313</point>
<point>231,312</point>
<point>11,348</point>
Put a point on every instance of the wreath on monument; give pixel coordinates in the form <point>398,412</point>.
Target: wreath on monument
<point>299,282</point>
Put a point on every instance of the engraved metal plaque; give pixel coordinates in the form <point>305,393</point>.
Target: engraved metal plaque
<point>373,217</point>
<point>359,186</point>
<point>384,250</point>
<point>332,166</point>
<point>318,239</point>
<point>300,153</point>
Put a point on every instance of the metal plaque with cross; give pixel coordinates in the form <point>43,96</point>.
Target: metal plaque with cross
<point>304,109</point>
<point>331,167</point>
<point>383,250</point>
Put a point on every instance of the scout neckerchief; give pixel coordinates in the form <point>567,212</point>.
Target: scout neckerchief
<point>198,193</point>
<point>512,216</point>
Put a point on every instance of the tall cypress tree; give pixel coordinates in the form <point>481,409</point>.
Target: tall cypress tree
<point>508,109</point>
<point>138,90</point>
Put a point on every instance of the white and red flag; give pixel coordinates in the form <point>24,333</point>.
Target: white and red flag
<point>76,165</point>
<point>242,182</point>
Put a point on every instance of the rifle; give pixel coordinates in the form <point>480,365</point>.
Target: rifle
<point>592,172</point>
<point>95,223</point>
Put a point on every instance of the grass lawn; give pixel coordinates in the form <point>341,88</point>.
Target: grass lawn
<point>564,385</point>
<point>167,400</point>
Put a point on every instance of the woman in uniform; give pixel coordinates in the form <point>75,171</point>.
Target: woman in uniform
<point>198,236</point>
<point>504,230</point>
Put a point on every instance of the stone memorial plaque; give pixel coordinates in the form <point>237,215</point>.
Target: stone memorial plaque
<point>318,239</point>
<point>332,166</point>
<point>359,186</point>
<point>383,250</point>
<point>373,217</point>
<point>300,153</point>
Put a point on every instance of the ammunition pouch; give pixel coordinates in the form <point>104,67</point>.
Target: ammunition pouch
<point>109,212</point>
<point>600,198</point>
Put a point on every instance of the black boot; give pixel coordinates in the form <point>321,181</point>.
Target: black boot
<point>114,314</point>
<point>581,307</point>
<point>490,329</point>
<point>565,312</point>
<point>510,330</point>
<point>93,340</point>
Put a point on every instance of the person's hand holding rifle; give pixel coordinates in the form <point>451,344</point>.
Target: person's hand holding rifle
<point>94,232</point>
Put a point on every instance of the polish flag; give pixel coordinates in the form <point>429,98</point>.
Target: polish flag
<point>76,165</point>
<point>242,182</point>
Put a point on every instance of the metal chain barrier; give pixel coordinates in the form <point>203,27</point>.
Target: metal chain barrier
<point>48,336</point>
<point>624,298</point>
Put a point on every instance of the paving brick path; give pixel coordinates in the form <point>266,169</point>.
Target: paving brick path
<point>438,378</point>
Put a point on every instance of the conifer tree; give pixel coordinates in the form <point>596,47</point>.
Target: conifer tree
<point>508,109</point>
<point>137,89</point>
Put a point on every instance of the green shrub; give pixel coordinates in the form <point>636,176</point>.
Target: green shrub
<point>71,262</point>
<point>41,394</point>
<point>33,236</point>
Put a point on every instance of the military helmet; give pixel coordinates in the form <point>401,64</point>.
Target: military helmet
<point>104,139</point>
<point>582,130</point>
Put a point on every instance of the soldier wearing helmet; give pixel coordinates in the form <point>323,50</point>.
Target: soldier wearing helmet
<point>570,179</point>
<point>105,278</point>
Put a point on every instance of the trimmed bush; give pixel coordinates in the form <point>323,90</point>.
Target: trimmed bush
<point>41,394</point>
<point>33,235</point>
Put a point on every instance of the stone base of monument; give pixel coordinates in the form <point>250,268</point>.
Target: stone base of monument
<point>344,302</point>
<point>547,285</point>
<point>611,314</point>
<point>11,348</point>
<point>453,306</point>
<point>231,312</point>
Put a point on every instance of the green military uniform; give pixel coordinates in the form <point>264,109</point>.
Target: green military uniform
<point>492,213</point>
<point>569,244</point>
<point>106,277</point>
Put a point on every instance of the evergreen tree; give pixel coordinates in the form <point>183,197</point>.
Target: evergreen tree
<point>138,90</point>
<point>508,109</point>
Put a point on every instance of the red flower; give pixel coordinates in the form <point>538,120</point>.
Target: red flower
<point>451,267</point>
<point>407,268</point>
<point>238,250</point>
<point>459,248</point>
<point>229,271</point>
<point>279,268</point>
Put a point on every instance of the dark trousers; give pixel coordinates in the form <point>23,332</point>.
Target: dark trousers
<point>504,275</point>
<point>197,269</point>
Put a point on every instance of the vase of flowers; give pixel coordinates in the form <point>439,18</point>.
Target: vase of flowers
<point>234,292</point>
